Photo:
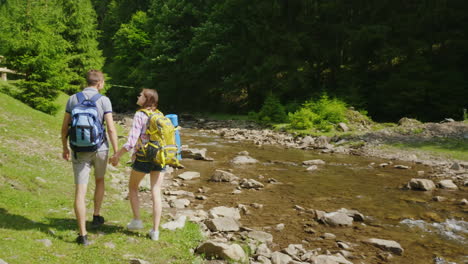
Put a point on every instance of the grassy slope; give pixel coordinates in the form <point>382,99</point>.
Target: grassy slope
<point>33,208</point>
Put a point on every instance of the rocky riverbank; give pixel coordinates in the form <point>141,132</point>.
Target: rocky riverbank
<point>227,238</point>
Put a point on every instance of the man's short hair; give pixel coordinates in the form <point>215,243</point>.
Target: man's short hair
<point>93,77</point>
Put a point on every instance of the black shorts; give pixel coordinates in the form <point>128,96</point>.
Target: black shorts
<point>146,167</point>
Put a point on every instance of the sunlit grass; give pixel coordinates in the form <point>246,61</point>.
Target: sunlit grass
<point>36,202</point>
<point>450,148</point>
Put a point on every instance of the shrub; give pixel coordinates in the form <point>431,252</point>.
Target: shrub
<point>272,111</point>
<point>322,114</point>
<point>303,118</point>
<point>38,95</point>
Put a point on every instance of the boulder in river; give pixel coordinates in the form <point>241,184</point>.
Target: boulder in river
<point>447,184</point>
<point>223,176</point>
<point>243,160</point>
<point>251,184</point>
<point>337,219</point>
<point>421,184</point>
<point>193,153</point>
<point>388,245</point>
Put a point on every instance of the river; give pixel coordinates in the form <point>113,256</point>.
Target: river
<point>428,231</point>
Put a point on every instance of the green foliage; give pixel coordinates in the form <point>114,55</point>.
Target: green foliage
<point>322,114</point>
<point>51,44</point>
<point>272,111</point>
<point>39,95</point>
<point>234,53</point>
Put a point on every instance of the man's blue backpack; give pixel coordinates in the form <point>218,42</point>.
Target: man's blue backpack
<point>86,131</point>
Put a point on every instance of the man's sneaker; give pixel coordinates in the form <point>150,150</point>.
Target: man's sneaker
<point>154,235</point>
<point>82,240</point>
<point>97,220</point>
<point>135,224</point>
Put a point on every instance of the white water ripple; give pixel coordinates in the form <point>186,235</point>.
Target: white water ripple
<point>452,229</point>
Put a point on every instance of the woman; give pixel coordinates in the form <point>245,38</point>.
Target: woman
<point>148,99</point>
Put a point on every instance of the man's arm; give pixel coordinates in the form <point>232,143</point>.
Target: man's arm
<point>66,122</point>
<point>111,131</point>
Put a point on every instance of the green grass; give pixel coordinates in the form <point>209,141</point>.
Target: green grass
<point>31,209</point>
<point>450,148</point>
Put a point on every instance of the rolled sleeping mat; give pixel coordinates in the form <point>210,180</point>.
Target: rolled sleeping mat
<point>175,122</point>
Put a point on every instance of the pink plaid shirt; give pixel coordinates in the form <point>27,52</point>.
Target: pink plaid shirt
<point>138,131</point>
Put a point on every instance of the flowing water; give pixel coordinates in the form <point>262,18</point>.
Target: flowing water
<point>428,231</point>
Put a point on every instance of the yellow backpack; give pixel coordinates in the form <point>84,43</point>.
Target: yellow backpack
<point>161,147</point>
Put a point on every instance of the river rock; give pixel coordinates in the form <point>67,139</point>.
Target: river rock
<point>263,260</point>
<point>189,175</point>
<point>223,224</point>
<point>463,201</point>
<point>329,259</point>
<point>242,160</point>
<point>455,166</point>
<point>312,168</point>
<point>213,249</point>
<point>251,184</point>
<point>447,184</point>
<point>179,193</point>
<point>388,245</point>
<point>193,153</point>
<point>307,141</point>
<point>357,216</point>
<point>179,203</point>
<point>279,227</point>
<point>401,167</point>
<point>223,211</point>
<point>260,236</point>
<point>223,176</point>
<point>263,250</point>
<point>178,223</point>
<point>439,198</point>
<point>337,219</point>
<point>280,258</point>
<point>313,162</point>
<point>243,153</point>
<point>294,250</point>
<point>343,127</point>
<point>322,142</point>
<point>421,184</point>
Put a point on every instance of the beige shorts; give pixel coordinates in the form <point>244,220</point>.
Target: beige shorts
<point>84,161</point>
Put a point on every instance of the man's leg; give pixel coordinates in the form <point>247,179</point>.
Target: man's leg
<point>81,168</point>
<point>98,195</point>
<point>100,167</point>
<point>80,207</point>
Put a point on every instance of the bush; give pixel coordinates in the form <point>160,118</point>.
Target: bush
<point>303,118</point>
<point>38,95</point>
<point>321,115</point>
<point>272,111</point>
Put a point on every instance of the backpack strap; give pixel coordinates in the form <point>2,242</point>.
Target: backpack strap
<point>80,97</point>
<point>96,97</point>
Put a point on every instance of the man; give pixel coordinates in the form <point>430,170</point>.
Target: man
<point>83,161</point>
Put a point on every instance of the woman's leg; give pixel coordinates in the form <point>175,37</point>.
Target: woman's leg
<point>156,185</point>
<point>135,179</point>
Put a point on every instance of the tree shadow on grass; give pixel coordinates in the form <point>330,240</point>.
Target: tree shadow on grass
<point>19,222</point>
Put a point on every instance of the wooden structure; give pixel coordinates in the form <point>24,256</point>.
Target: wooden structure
<point>4,72</point>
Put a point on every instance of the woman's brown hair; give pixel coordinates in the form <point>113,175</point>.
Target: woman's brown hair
<point>152,99</point>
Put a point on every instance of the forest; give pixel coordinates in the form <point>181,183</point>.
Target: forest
<point>387,58</point>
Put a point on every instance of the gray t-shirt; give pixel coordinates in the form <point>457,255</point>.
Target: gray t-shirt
<point>103,104</point>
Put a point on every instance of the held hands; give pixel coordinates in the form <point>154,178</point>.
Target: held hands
<point>114,160</point>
